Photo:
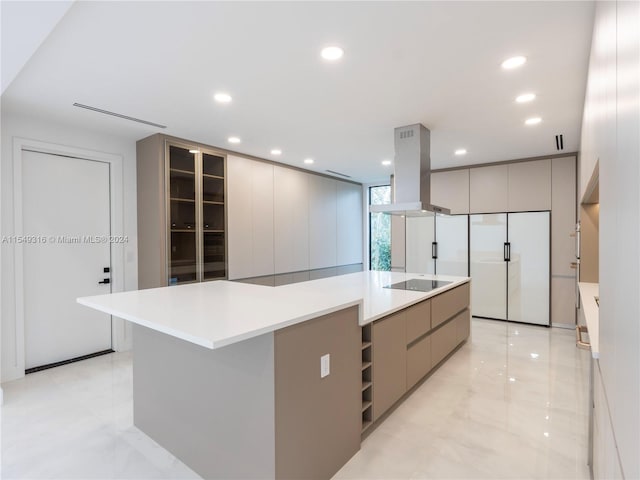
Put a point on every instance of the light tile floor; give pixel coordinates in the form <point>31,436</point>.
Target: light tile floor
<point>511,403</point>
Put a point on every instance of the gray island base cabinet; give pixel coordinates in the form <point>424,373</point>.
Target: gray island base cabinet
<point>243,391</point>
<point>257,408</point>
<point>408,344</point>
<point>260,408</point>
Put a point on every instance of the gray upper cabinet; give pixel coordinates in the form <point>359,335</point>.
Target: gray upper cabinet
<point>322,222</point>
<point>291,218</point>
<point>451,190</point>
<point>529,186</point>
<point>251,218</point>
<point>514,187</point>
<point>488,189</point>
<point>349,223</point>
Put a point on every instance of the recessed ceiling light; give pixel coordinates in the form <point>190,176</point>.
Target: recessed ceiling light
<point>276,151</point>
<point>386,163</point>
<point>525,97</point>
<point>332,53</point>
<point>233,140</point>
<point>513,62</point>
<point>532,121</point>
<point>308,161</point>
<point>460,151</point>
<point>222,97</point>
<point>194,150</point>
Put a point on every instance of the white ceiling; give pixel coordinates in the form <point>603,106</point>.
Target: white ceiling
<point>25,25</point>
<point>437,63</point>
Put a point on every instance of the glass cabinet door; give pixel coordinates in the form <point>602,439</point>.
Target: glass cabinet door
<point>182,216</point>
<point>213,220</point>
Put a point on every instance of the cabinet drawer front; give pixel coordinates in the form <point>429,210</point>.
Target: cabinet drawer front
<point>447,304</point>
<point>389,362</point>
<point>443,341</point>
<point>463,322</point>
<point>418,320</point>
<point>418,361</point>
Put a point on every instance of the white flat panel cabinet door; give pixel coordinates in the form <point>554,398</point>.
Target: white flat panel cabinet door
<point>64,201</point>
<point>349,223</point>
<point>291,220</point>
<point>322,222</point>
<point>451,190</point>
<point>488,189</point>
<point>530,186</point>
<point>529,239</point>
<point>488,268</point>
<point>452,237</point>
<point>420,235</point>
<point>262,218</point>
<point>239,217</point>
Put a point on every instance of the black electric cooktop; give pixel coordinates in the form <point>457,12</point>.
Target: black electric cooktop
<point>418,285</point>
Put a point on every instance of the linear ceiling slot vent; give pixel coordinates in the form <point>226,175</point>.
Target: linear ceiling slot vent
<point>559,142</point>
<point>119,115</point>
<point>338,173</point>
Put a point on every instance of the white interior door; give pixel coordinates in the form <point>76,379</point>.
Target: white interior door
<point>488,234</point>
<point>452,235</point>
<point>66,208</point>
<point>529,238</point>
<point>420,234</point>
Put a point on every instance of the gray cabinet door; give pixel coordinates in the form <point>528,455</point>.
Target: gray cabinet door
<point>451,190</point>
<point>389,362</point>
<point>418,361</point>
<point>488,189</point>
<point>530,186</point>
<point>322,222</point>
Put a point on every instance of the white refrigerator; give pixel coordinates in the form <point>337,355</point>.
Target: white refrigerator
<point>437,244</point>
<point>510,266</point>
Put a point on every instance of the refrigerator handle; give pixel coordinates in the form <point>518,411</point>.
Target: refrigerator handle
<point>434,250</point>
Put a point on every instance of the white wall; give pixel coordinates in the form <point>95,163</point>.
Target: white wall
<point>610,136</point>
<point>32,128</point>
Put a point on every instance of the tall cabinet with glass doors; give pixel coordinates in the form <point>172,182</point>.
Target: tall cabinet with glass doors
<point>181,213</point>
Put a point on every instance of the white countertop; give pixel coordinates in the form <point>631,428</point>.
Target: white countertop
<point>591,311</point>
<point>219,313</point>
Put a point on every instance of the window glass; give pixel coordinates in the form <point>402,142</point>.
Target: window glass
<point>379,230</point>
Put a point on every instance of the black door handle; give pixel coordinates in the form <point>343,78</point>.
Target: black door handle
<point>507,251</point>
<point>434,250</point>
<point>105,281</point>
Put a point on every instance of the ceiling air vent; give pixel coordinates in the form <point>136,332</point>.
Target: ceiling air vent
<point>338,173</point>
<point>119,115</point>
<point>559,142</point>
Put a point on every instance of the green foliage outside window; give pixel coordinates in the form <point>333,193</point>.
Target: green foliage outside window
<point>380,230</point>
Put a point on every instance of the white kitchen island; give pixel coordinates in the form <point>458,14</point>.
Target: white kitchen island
<point>227,376</point>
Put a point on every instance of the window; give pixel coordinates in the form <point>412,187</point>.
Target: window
<point>379,230</point>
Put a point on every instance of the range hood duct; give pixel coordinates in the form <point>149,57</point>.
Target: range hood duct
<point>411,181</point>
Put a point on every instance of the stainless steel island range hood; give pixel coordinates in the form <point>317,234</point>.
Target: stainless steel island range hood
<point>411,181</point>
